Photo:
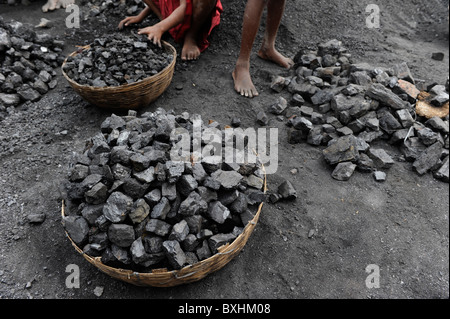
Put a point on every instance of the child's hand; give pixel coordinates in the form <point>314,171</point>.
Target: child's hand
<point>129,20</point>
<point>154,34</point>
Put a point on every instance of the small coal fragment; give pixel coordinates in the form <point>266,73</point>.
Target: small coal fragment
<point>218,212</point>
<point>36,218</point>
<point>262,118</point>
<point>216,241</point>
<point>380,158</point>
<point>140,211</point>
<point>193,205</point>
<point>138,253</point>
<point>343,149</point>
<point>438,56</point>
<point>287,191</point>
<point>203,252</point>
<point>227,179</point>
<point>121,235</point>
<point>158,227</point>
<point>279,106</point>
<point>443,172</point>
<point>278,84</point>
<point>236,122</point>
<point>379,176</point>
<point>117,207</point>
<point>179,231</point>
<point>174,253</point>
<point>428,159</point>
<point>343,171</point>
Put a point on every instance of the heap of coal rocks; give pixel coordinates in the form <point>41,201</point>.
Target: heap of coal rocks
<point>27,63</point>
<point>346,107</point>
<point>129,203</point>
<point>120,8</point>
<point>117,59</point>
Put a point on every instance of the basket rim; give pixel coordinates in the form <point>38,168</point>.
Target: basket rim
<point>171,65</point>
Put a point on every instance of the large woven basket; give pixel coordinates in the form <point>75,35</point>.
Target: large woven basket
<point>127,96</point>
<point>188,274</point>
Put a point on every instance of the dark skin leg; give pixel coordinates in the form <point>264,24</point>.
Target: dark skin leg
<point>243,83</point>
<point>275,9</point>
<point>252,16</point>
<point>202,11</point>
<point>154,8</point>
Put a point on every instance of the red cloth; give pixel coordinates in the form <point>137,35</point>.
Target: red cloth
<point>168,6</point>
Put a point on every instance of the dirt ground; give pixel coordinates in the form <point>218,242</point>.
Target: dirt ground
<point>401,225</point>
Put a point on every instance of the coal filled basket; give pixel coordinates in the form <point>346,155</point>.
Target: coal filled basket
<point>127,96</point>
<point>191,273</point>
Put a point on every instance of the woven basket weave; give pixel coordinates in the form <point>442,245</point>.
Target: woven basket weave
<point>127,96</point>
<point>188,274</point>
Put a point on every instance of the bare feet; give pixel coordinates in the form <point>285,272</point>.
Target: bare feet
<point>50,5</point>
<point>190,50</point>
<point>243,83</point>
<point>271,54</point>
<point>56,4</point>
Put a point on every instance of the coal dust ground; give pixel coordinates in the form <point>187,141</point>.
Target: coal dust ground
<point>313,248</point>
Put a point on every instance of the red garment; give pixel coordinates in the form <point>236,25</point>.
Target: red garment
<point>168,6</point>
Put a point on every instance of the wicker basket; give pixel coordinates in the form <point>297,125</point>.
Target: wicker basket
<point>188,274</point>
<point>127,96</point>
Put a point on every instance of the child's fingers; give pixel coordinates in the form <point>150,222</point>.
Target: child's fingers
<point>125,22</point>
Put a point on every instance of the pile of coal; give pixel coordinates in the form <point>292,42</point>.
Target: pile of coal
<point>119,8</point>
<point>27,63</point>
<point>117,59</point>
<point>129,202</point>
<point>345,107</point>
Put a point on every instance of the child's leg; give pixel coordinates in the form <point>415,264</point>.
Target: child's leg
<point>275,9</point>
<point>202,11</point>
<point>252,16</point>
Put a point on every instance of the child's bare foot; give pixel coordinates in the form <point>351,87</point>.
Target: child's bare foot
<point>190,50</point>
<point>56,4</point>
<point>243,83</point>
<point>50,5</point>
<point>271,54</point>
